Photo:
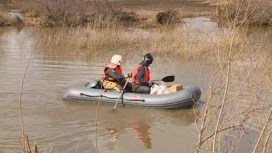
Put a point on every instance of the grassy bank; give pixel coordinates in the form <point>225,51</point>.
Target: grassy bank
<point>146,13</point>
<point>71,13</point>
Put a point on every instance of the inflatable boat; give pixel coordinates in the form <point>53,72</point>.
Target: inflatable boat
<point>174,100</point>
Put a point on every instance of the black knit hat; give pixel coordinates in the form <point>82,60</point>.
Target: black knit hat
<point>148,59</point>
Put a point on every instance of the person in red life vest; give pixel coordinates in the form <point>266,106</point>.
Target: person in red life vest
<point>113,79</point>
<point>141,76</point>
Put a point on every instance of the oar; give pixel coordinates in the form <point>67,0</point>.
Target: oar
<point>170,78</point>
<point>122,92</point>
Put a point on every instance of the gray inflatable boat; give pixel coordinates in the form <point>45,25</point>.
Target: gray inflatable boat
<point>176,100</point>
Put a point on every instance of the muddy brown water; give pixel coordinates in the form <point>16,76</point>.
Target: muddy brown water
<point>70,127</point>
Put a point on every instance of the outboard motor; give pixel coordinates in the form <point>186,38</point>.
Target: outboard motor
<point>94,84</point>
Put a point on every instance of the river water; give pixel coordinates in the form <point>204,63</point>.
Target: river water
<point>70,127</point>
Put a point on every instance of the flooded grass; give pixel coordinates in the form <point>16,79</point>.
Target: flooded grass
<point>164,40</point>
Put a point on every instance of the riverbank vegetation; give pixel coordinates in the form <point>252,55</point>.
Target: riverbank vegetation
<point>71,13</point>
<point>237,101</point>
<point>236,94</point>
<point>238,91</point>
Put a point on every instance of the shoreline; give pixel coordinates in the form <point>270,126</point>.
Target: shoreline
<point>130,13</point>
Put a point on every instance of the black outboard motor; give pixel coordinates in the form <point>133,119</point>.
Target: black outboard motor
<point>94,84</point>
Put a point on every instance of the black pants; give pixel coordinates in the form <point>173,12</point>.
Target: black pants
<point>128,87</point>
<point>141,89</point>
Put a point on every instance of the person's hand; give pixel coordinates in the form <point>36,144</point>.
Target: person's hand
<point>129,75</point>
<point>150,83</point>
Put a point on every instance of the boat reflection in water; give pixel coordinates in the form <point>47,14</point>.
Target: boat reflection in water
<point>114,132</point>
<point>142,132</point>
<point>141,128</point>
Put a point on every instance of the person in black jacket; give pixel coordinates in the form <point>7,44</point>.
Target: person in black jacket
<point>141,76</point>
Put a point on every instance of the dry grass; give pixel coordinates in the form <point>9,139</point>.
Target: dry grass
<point>236,96</point>
<point>25,140</point>
<point>254,13</point>
<point>79,13</point>
<point>163,40</point>
<point>146,13</point>
<point>237,93</point>
<point>4,21</point>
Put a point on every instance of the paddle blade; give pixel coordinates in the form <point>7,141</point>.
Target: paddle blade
<point>170,78</point>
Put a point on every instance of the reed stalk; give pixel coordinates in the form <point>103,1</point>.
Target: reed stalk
<point>96,119</point>
<point>224,96</point>
<point>265,126</point>
<point>266,142</point>
<point>25,140</point>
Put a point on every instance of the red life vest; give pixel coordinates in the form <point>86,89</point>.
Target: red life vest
<point>115,67</point>
<point>135,74</point>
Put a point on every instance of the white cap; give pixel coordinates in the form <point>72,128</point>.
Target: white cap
<point>116,59</point>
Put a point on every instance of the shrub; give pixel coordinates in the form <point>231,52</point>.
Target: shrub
<point>167,17</point>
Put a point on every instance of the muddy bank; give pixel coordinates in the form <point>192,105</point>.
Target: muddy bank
<point>140,13</point>
<point>144,13</point>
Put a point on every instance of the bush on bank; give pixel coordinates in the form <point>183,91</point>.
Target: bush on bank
<point>4,21</point>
